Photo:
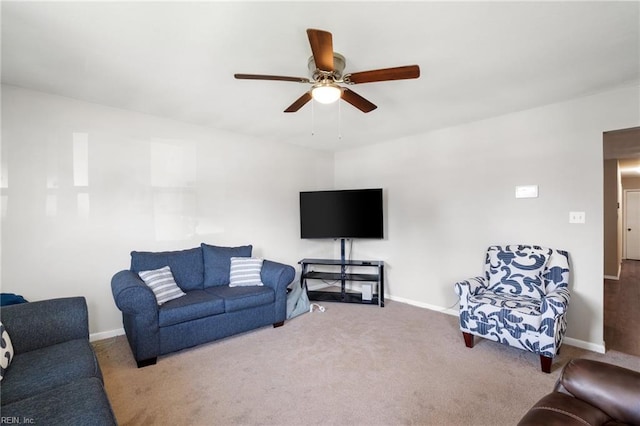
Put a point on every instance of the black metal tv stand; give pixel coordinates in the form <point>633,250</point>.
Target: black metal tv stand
<point>377,296</point>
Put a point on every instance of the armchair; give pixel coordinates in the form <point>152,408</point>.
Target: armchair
<point>520,300</point>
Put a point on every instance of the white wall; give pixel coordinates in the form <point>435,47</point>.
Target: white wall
<point>451,193</point>
<point>83,185</point>
<point>148,183</point>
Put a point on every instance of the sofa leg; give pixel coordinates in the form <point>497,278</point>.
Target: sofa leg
<point>468,339</point>
<point>147,362</point>
<point>278,324</point>
<point>545,363</point>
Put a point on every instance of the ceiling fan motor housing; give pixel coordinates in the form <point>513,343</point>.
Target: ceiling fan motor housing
<point>339,63</point>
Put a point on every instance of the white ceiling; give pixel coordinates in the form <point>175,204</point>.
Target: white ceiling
<point>177,60</point>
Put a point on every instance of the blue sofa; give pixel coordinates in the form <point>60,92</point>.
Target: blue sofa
<point>210,308</point>
<point>54,377</point>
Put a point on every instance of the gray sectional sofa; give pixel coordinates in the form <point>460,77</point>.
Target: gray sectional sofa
<point>54,377</point>
<point>210,308</point>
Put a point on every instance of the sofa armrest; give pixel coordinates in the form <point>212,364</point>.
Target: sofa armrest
<point>277,275</point>
<point>131,294</point>
<point>613,389</point>
<point>44,323</point>
<point>470,287</point>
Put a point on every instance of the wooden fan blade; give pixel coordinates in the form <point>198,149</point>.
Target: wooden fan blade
<point>271,77</point>
<point>322,48</point>
<point>357,101</point>
<point>386,74</point>
<point>299,103</point>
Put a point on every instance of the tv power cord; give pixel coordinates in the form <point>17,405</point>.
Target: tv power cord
<point>316,307</point>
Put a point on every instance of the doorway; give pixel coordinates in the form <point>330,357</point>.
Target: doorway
<point>621,287</point>
<point>632,224</point>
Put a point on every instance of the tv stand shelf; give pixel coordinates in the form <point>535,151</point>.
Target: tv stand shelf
<point>344,295</point>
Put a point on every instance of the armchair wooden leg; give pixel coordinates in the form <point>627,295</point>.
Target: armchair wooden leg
<point>545,363</point>
<point>468,339</point>
<point>278,324</point>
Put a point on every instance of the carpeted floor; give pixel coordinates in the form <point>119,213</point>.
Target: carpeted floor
<point>622,310</point>
<point>351,365</point>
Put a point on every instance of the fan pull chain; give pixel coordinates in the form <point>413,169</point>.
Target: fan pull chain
<point>339,121</point>
<point>312,118</point>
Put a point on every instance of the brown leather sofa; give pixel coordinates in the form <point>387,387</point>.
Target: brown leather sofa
<point>589,393</point>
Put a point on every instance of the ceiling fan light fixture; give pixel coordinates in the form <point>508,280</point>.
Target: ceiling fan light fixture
<point>326,93</point>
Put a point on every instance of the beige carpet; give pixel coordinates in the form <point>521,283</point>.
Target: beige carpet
<point>350,365</point>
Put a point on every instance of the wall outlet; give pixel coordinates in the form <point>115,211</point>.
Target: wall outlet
<point>576,217</point>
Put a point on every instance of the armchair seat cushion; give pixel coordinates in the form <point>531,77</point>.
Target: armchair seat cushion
<point>524,305</point>
<point>48,368</point>
<point>496,312</point>
<point>193,305</point>
<point>238,298</point>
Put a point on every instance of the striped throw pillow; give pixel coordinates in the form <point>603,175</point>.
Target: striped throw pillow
<point>162,283</point>
<point>245,271</point>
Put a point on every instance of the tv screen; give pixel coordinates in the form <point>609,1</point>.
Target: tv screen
<point>354,213</point>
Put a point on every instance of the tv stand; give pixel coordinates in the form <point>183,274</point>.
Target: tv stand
<point>344,295</point>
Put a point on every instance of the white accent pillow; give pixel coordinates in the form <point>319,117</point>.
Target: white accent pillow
<point>6,351</point>
<point>162,283</point>
<point>245,271</point>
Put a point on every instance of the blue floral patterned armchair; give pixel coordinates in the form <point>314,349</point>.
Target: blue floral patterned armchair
<point>521,300</point>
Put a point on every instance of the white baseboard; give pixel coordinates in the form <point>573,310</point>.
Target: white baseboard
<point>599,348</point>
<point>448,311</point>
<point>594,347</point>
<point>614,277</point>
<point>106,334</point>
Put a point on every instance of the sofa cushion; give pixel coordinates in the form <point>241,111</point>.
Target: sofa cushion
<point>6,350</point>
<point>82,402</point>
<point>195,304</point>
<point>517,269</point>
<point>217,262</point>
<point>47,368</point>
<point>238,298</point>
<point>186,265</point>
<point>162,283</point>
<point>245,271</point>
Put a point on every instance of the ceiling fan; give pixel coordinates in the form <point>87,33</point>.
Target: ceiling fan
<point>326,67</point>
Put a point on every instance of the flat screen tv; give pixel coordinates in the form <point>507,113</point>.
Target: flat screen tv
<point>353,213</point>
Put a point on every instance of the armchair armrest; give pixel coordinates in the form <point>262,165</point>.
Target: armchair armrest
<point>470,287</point>
<point>555,303</point>
<point>44,323</point>
<point>613,389</point>
<point>131,294</point>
